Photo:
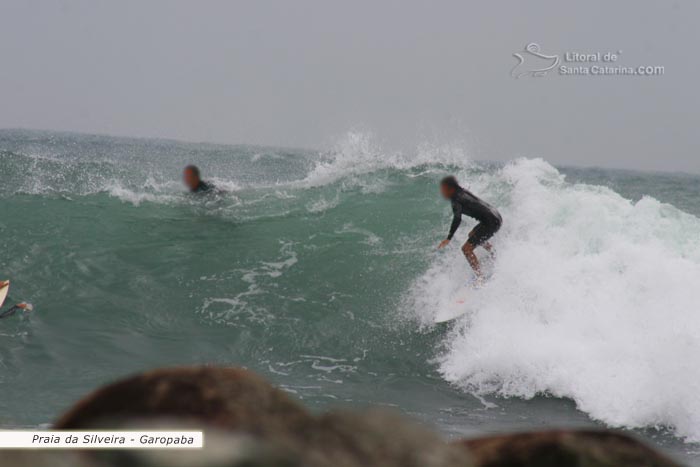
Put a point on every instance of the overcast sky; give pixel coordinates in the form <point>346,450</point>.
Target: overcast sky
<point>303,73</point>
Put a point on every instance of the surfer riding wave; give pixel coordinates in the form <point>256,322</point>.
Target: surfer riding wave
<point>466,203</point>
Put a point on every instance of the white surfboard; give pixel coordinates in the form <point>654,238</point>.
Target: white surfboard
<point>459,303</point>
<point>456,307</point>
<point>3,291</point>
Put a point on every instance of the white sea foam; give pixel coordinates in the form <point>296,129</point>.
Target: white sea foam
<point>357,153</point>
<point>322,204</point>
<point>137,197</point>
<point>242,308</point>
<point>370,238</point>
<point>594,298</point>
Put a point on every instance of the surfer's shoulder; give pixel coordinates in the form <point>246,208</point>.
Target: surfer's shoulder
<point>205,187</point>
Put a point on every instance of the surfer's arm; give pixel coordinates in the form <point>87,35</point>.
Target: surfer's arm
<point>9,312</point>
<point>456,220</point>
<point>15,309</point>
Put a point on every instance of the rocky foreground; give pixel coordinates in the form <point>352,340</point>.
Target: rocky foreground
<point>249,423</point>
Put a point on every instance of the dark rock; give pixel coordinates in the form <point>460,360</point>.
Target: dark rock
<point>562,448</point>
<point>223,449</point>
<point>247,422</point>
<point>27,458</point>
<point>226,398</point>
<point>247,406</point>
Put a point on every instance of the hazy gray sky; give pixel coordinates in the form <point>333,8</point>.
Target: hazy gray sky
<point>302,73</point>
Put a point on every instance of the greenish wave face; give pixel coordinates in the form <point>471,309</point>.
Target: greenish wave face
<point>319,271</point>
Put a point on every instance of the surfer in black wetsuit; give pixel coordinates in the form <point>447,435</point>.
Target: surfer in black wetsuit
<point>193,180</point>
<point>20,306</point>
<point>466,203</point>
<point>26,307</point>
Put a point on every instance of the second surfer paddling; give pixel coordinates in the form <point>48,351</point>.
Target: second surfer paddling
<point>468,204</point>
<point>26,307</point>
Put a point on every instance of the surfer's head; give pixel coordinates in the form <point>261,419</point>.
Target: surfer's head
<point>449,186</point>
<point>191,177</point>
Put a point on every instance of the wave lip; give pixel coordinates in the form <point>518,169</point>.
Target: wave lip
<point>357,154</point>
<point>594,298</point>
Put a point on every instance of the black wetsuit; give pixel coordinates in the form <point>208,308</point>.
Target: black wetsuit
<point>203,187</point>
<point>466,203</point>
<point>10,312</point>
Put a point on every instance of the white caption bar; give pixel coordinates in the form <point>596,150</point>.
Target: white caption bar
<point>101,439</point>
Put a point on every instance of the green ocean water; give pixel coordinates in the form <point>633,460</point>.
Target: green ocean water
<point>318,270</point>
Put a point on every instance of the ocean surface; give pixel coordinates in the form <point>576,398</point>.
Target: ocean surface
<point>319,270</point>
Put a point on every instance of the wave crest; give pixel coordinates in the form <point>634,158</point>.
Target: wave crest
<point>593,298</point>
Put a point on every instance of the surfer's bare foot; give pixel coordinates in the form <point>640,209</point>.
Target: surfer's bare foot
<point>4,284</point>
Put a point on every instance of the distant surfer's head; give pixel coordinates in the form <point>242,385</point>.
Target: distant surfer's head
<point>191,177</point>
<point>449,186</point>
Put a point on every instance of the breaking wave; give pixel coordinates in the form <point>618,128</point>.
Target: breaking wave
<point>593,298</point>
